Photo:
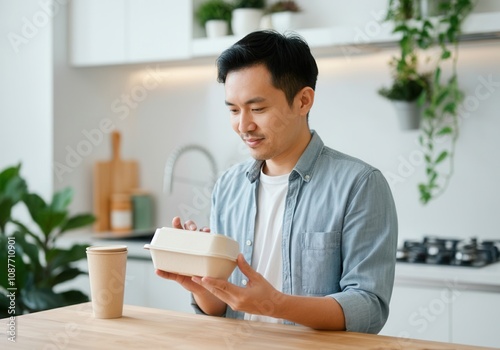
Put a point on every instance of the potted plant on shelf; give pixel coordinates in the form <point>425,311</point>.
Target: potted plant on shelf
<point>439,97</point>
<point>215,16</point>
<point>284,15</point>
<point>404,93</point>
<point>35,264</point>
<point>246,16</point>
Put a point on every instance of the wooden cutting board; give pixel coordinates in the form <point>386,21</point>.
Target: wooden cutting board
<point>109,177</point>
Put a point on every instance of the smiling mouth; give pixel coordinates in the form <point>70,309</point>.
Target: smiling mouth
<point>253,142</point>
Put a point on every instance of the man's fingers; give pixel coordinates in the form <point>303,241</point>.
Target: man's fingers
<point>190,225</point>
<point>176,222</point>
<point>245,268</point>
<point>164,274</point>
<point>220,288</point>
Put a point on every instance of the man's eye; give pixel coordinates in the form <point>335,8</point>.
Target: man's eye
<point>233,111</point>
<point>257,109</point>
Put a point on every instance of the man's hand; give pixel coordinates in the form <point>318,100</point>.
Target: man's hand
<point>184,281</point>
<point>259,297</point>
<point>205,300</point>
<point>188,225</point>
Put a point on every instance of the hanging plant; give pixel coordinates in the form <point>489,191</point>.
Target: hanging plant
<point>439,97</point>
<point>440,126</point>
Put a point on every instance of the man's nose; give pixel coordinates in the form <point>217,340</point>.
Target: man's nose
<point>246,122</point>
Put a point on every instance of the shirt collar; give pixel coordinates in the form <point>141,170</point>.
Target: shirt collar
<point>304,166</point>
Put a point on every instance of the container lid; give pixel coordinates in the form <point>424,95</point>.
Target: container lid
<point>107,249</point>
<point>195,243</point>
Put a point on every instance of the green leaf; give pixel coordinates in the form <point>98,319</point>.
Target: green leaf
<point>38,299</point>
<point>48,220</point>
<point>25,231</point>
<point>445,55</point>
<point>442,156</point>
<point>428,24</point>
<point>62,199</point>
<point>58,258</point>
<point>421,140</point>
<point>400,28</point>
<point>32,252</point>
<point>429,113</point>
<point>450,108</point>
<point>77,221</point>
<point>425,195</point>
<point>432,179</point>
<point>72,297</point>
<point>35,205</point>
<point>445,131</point>
<point>65,275</point>
<point>437,76</point>
<point>12,190</point>
<point>442,96</point>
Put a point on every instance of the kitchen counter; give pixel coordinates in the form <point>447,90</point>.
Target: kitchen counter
<point>485,278</point>
<point>74,327</point>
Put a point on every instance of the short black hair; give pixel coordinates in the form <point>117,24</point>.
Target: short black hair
<point>287,57</point>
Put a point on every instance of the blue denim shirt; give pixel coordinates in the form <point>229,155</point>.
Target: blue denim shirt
<point>339,231</point>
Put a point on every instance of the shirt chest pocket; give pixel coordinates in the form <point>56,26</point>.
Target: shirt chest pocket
<point>321,263</point>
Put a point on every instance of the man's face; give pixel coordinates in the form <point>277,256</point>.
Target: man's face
<point>261,115</point>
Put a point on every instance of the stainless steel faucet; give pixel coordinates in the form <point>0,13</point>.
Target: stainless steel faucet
<point>168,175</point>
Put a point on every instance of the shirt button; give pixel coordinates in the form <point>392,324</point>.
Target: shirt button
<point>244,282</point>
<point>307,177</point>
<point>248,242</point>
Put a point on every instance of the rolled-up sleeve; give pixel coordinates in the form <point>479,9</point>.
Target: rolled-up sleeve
<point>369,243</point>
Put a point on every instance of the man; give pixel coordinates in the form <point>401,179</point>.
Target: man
<point>317,228</point>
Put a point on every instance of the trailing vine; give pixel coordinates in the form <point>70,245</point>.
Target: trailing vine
<point>439,127</point>
<point>440,124</point>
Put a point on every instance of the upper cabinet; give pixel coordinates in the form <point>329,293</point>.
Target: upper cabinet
<point>129,31</point>
<point>139,31</point>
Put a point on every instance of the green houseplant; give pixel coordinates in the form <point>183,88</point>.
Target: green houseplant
<point>408,84</point>
<point>36,265</point>
<point>283,6</point>
<point>214,16</point>
<point>440,97</point>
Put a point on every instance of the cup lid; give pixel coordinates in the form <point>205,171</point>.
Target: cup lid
<point>107,249</point>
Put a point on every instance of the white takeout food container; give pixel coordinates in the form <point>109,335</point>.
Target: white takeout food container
<point>193,253</point>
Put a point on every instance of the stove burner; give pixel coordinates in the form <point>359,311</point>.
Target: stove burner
<point>448,251</point>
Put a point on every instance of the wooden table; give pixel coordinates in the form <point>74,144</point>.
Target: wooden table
<point>74,327</point>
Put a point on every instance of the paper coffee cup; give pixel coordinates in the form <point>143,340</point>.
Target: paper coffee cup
<point>107,266</point>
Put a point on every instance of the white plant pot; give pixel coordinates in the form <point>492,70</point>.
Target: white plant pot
<point>408,113</point>
<point>216,28</point>
<point>266,22</point>
<point>283,21</point>
<point>429,8</point>
<point>245,20</point>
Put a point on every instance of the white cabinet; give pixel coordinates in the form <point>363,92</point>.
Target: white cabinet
<point>129,31</point>
<point>136,282</point>
<point>470,308</point>
<point>450,313</point>
<point>97,32</point>
<point>419,313</point>
<point>144,288</point>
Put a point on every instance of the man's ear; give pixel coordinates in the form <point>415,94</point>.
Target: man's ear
<point>305,99</point>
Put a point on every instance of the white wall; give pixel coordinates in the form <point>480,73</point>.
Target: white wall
<point>186,106</point>
<point>26,133</point>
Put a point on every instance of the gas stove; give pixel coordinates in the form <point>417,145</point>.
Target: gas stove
<point>448,251</point>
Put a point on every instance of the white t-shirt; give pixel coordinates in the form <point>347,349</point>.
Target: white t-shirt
<point>267,257</point>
